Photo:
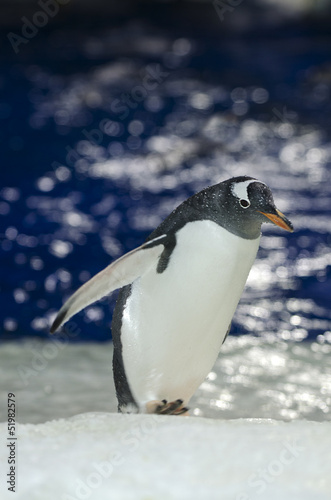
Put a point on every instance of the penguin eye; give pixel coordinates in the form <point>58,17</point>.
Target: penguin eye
<point>244,203</point>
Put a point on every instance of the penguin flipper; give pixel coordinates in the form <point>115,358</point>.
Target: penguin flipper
<point>227,333</point>
<point>122,272</point>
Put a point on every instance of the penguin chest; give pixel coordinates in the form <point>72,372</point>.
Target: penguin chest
<point>174,322</point>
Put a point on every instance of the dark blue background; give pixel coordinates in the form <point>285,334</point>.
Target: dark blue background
<point>51,93</point>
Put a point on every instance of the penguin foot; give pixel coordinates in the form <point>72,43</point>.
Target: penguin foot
<point>165,408</point>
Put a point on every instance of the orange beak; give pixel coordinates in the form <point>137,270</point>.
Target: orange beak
<point>280,220</point>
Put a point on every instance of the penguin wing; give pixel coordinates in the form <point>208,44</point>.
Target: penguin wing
<point>123,271</point>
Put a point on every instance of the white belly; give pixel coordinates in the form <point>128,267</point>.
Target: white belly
<point>174,323</point>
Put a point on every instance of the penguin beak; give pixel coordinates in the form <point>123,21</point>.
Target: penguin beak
<point>280,220</point>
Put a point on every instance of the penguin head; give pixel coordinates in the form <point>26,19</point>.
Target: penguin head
<point>248,204</point>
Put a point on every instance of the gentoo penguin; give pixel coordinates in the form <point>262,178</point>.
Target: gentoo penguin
<point>179,291</point>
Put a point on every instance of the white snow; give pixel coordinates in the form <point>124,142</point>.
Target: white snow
<point>89,452</point>
<point>100,456</point>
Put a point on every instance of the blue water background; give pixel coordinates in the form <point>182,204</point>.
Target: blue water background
<point>93,159</point>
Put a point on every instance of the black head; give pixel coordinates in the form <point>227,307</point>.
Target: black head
<point>240,205</point>
<point>245,204</point>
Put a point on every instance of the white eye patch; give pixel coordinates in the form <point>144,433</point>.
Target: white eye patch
<point>239,189</point>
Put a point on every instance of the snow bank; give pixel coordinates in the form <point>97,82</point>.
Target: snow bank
<point>106,456</point>
<point>252,377</point>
